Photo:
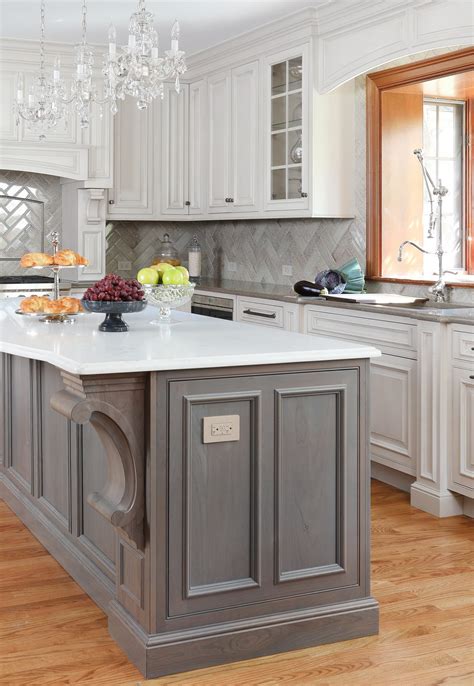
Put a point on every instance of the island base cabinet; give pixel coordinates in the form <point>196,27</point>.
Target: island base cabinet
<point>200,551</point>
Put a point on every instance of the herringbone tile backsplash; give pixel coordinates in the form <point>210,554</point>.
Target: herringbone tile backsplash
<point>23,224</point>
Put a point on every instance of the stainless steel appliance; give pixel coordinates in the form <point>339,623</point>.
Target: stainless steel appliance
<point>22,286</point>
<point>213,306</point>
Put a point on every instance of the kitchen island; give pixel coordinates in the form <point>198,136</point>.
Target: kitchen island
<point>206,483</point>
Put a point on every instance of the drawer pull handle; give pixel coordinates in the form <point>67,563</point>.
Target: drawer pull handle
<point>472,376</point>
<point>268,315</point>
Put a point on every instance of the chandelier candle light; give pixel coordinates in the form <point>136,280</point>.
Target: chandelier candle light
<point>41,109</point>
<point>138,70</point>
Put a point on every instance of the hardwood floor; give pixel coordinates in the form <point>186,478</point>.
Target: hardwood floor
<point>423,576</point>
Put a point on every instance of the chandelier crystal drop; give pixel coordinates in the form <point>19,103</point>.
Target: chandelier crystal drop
<point>82,92</point>
<point>137,69</point>
<point>39,107</point>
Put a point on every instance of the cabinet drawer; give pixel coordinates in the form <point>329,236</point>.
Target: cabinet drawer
<point>260,312</point>
<point>389,336</point>
<point>462,343</point>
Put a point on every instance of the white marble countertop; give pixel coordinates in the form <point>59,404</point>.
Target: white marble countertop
<point>190,342</point>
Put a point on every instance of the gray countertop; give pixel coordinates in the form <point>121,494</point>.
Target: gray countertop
<point>450,314</point>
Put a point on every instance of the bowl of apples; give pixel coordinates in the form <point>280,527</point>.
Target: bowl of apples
<point>166,287</point>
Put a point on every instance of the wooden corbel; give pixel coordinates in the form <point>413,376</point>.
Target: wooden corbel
<point>94,400</point>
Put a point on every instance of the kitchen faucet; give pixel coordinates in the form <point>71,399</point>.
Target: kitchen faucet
<point>438,289</point>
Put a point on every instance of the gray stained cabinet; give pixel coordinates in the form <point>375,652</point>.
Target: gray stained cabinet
<point>199,552</point>
<point>274,514</point>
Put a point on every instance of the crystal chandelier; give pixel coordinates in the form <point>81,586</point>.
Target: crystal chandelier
<point>40,108</point>
<point>138,70</point>
<point>82,92</point>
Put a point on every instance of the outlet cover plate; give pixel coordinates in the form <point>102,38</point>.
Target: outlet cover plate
<point>221,429</point>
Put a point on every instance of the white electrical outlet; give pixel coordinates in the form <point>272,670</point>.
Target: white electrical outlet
<point>124,265</point>
<point>220,429</point>
<point>232,266</point>
<point>287,270</point>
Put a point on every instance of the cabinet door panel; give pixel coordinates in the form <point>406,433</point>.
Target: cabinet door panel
<point>197,171</point>
<point>274,513</point>
<point>21,420</point>
<point>174,151</point>
<point>54,448</point>
<point>133,168</point>
<point>220,129</point>
<point>393,412</point>
<point>462,427</point>
<point>245,118</point>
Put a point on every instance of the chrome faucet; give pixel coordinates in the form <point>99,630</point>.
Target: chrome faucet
<point>438,289</point>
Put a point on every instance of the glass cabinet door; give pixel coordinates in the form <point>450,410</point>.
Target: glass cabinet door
<point>286,130</point>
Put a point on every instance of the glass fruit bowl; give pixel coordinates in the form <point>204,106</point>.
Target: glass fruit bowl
<point>166,298</point>
<point>113,311</point>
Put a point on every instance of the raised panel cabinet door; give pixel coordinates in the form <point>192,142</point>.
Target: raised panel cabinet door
<point>393,412</point>
<point>462,428</point>
<point>132,194</point>
<point>174,146</point>
<point>245,139</point>
<point>197,166</point>
<point>276,512</point>
<point>220,142</point>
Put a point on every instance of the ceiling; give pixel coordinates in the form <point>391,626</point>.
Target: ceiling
<point>203,23</point>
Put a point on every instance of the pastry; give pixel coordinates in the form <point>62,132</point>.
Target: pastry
<point>69,258</point>
<point>36,259</point>
<point>34,303</point>
<point>53,307</point>
<point>70,305</point>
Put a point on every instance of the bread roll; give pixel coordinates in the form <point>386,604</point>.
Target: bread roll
<point>36,259</point>
<point>69,258</point>
<point>34,304</point>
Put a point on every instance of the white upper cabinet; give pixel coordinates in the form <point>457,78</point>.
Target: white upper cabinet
<point>220,122</point>
<point>233,135</point>
<point>197,160</point>
<point>308,139</point>
<point>132,195</point>
<point>245,138</point>
<point>174,151</point>
<point>286,131</point>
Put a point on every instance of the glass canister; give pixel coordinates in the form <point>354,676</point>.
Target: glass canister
<point>168,252</point>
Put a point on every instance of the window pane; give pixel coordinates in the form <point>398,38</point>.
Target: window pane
<point>294,182</point>
<point>295,72</point>
<point>279,113</point>
<point>429,130</point>
<point>278,184</point>
<point>295,111</point>
<point>446,131</point>
<point>295,147</point>
<point>278,149</point>
<point>279,78</point>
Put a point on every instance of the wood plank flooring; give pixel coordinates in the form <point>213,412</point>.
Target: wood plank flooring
<point>423,576</point>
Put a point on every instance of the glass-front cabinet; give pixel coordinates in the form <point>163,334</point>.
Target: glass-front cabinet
<point>286,136</point>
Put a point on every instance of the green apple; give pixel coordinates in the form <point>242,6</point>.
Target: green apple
<point>147,276</point>
<point>173,277</point>
<point>162,267</point>
<point>185,273</point>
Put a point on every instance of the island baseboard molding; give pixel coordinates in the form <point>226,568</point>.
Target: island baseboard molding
<point>200,552</point>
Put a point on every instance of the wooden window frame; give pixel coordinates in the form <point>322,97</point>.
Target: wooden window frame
<point>377,82</point>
